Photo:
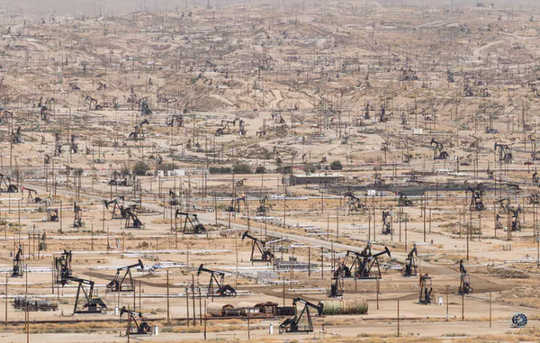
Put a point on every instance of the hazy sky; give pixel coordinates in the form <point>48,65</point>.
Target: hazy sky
<point>115,7</point>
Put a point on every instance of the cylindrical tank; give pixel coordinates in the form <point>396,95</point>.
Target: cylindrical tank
<point>357,306</point>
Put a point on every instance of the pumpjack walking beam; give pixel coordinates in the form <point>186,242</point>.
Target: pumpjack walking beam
<point>266,254</point>
<point>294,324</point>
<point>217,278</point>
<point>124,283</point>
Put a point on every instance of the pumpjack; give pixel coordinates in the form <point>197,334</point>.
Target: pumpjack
<point>382,115</point>
<point>138,131</point>
<point>132,221</point>
<point>266,254</point>
<point>301,322</point>
<point>426,289</point>
<point>355,204</point>
<point>176,120</point>
<point>235,204</point>
<point>516,225</point>
<point>536,179</point>
<point>450,76</point>
<point>218,278</point>
<point>121,179</point>
<point>366,111</point>
<point>467,90</point>
<point>32,194</point>
<point>263,208</point>
<point>117,206</point>
<point>134,327</point>
<point>506,208</point>
<point>404,201</point>
<point>387,222</point>
<point>173,198</point>
<point>92,303</point>
<point>52,214</point>
<point>73,145</point>
<point>476,198</point>
<point>438,150</point>
<point>504,152</point>
<point>43,242</point>
<point>16,137</point>
<point>194,227</point>
<point>534,198</point>
<point>365,261</point>
<point>17,270</point>
<point>77,219</point>
<point>62,268</point>
<point>6,186</point>
<point>145,108</point>
<point>44,113</point>
<point>411,267</point>
<point>464,280</point>
<point>342,271</point>
<point>124,283</point>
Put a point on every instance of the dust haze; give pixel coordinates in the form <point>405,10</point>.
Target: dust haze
<point>119,7</point>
